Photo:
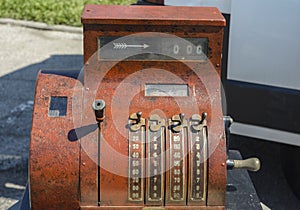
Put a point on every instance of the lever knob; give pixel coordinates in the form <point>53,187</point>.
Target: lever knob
<point>99,109</point>
<point>181,117</point>
<point>203,117</point>
<point>251,164</point>
<point>139,116</point>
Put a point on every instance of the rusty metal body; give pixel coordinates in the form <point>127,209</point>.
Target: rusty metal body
<point>161,143</point>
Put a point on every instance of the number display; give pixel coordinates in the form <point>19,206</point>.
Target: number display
<point>152,48</point>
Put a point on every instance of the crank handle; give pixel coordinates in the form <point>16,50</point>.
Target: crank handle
<point>251,164</point>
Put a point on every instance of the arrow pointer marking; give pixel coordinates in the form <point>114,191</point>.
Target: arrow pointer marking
<point>121,46</point>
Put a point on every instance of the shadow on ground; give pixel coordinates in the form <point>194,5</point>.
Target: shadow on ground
<point>17,95</point>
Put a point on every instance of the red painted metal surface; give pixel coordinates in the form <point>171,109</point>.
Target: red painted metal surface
<point>54,160</point>
<point>90,170</point>
<point>99,22</point>
<point>113,135</point>
<point>152,15</point>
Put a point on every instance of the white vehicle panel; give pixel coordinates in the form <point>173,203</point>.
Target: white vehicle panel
<point>264,43</point>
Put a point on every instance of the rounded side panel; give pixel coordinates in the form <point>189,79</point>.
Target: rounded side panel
<point>54,157</point>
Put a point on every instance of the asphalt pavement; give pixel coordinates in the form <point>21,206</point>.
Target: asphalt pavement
<point>26,48</point>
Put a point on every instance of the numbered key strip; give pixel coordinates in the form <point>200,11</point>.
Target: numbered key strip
<point>136,165</point>
<point>184,185</point>
<point>198,164</point>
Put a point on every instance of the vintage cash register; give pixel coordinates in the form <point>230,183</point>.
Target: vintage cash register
<point>141,127</point>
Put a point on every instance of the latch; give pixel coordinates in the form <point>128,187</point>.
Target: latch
<point>198,121</point>
<point>139,121</point>
<point>157,122</point>
<point>177,122</point>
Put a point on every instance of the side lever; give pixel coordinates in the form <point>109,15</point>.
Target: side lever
<point>251,164</point>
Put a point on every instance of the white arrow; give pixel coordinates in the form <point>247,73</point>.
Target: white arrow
<point>125,46</point>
